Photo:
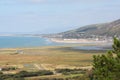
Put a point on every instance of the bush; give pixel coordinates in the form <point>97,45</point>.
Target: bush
<point>70,71</point>
<point>22,74</point>
<point>107,67</point>
<point>30,74</point>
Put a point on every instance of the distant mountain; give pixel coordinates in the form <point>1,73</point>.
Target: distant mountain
<point>105,29</point>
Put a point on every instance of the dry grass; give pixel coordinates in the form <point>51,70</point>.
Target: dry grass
<point>48,55</point>
<point>53,76</point>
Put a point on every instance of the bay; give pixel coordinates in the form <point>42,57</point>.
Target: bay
<point>24,42</point>
<point>17,42</point>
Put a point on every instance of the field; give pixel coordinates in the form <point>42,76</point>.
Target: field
<point>53,76</point>
<point>46,57</point>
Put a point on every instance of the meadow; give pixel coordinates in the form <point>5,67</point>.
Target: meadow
<point>50,57</point>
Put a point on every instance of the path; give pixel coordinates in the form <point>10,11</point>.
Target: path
<point>39,67</point>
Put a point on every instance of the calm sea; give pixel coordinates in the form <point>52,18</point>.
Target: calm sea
<point>14,42</point>
<point>22,42</point>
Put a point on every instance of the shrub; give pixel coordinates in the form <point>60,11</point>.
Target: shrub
<point>107,67</point>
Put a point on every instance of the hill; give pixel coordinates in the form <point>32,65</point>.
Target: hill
<point>102,30</point>
<point>105,29</point>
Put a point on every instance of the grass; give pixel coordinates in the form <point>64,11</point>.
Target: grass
<point>48,58</point>
<point>48,55</point>
<point>53,76</point>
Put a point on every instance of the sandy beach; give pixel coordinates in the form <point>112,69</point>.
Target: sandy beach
<point>83,41</point>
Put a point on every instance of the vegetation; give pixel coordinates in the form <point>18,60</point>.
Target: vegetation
<point>30,74</point>
<point>70,71</point>
<point>9,68</point>
<point>22,74</point>
<point>107,67</point>
<point>47,58</point>
<point>62,77</point>
<point>48,55</point>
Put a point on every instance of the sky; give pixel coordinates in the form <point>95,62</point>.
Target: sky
<point>53,16</point>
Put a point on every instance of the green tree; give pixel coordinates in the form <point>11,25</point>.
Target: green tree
<point>107,66</point>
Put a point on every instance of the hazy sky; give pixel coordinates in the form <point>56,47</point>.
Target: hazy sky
<point>50,16</point>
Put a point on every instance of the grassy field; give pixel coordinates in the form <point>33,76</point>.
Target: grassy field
<point>47,58</point>
<point>50,57</point>
<point>53,76</point>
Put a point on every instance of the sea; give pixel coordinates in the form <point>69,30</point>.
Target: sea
<point>27,42</point>
<point>21,41</point>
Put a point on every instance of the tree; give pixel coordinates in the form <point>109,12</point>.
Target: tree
<point>107,66</point>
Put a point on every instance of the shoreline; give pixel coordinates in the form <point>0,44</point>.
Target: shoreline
<point>83,41</point>
<point>54,41</point>
<point>57,40</point>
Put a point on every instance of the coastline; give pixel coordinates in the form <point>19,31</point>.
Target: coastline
<point>51,42</point>
<point>83,41</point>
<point>57,40</point>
